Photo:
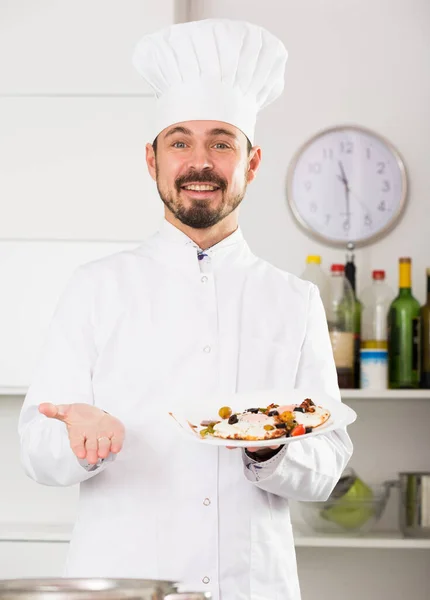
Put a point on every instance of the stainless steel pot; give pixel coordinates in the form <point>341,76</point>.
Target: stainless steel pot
<point>94,589</point>
<point>414,503</point>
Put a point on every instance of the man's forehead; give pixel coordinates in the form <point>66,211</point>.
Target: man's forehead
<point>205,128</point>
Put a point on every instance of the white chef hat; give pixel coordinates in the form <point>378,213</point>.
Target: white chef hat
<point>215,70</point>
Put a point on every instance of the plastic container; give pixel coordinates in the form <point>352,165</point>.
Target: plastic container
<point>314,273</point>
<point>376,300</point>
<point>340,317</point>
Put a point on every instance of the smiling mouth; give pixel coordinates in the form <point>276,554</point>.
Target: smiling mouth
<point>201,188</point>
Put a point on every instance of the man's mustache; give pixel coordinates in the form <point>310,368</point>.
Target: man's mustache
<point>204,177</point>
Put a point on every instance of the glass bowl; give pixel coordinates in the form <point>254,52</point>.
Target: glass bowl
<point>348,514</point>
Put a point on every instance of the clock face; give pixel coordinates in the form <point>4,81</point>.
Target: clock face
<point>347,184</point>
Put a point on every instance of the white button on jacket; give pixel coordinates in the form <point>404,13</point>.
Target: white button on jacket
<point>127,336</point>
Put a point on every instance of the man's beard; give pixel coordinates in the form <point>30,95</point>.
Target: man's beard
<point>200,215</point>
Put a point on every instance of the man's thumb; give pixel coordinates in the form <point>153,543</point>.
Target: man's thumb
<point>53,411</point>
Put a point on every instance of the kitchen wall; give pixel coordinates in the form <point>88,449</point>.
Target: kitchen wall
<point>73,186</point>
<point>74,121</point>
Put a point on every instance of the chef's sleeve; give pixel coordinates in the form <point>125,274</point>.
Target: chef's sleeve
<point>63,375</point>
<point>308,470</point>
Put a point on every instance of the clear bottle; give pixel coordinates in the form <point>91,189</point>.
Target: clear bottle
<point>425,338</point>
<point>340,317</point>
<point>404,332</point>
<point>376,300</point>
<point>350,272</point>
<point>314,273</point>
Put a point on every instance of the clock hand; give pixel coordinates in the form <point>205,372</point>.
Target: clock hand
<point>348,212</point>
<point>344,179</point>
<point>359,200</point>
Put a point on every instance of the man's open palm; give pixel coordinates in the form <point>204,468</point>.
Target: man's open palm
<point>93,434</point>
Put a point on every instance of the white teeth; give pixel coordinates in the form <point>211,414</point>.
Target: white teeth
<point>200,188</point>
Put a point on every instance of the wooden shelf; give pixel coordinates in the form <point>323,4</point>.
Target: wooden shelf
<point>13,391</point>
<point>387,540</point>
<point>50,532</point>
<point>385,395</point>
<point>35,532</point>
<point>346,394</point>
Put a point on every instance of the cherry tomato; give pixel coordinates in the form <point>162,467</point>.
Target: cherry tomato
<point>298,430</point>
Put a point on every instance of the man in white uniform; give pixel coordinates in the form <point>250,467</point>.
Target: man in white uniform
<point>190,313</point>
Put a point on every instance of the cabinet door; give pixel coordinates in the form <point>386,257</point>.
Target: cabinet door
<point>32,559</point>
<point>74,169</point>
<point>79,47</point>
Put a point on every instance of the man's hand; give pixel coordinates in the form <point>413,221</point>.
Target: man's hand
<point>257,449</point>
<point>93,434</point>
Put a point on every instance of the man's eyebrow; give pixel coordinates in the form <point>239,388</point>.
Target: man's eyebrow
<point>220,131</point>
<point>178,129</point>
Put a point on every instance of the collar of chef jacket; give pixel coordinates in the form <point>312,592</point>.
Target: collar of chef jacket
<point>173,247</point>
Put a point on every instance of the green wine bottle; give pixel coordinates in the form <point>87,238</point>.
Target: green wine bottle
<point>404,330</point>
<point>425,338</point>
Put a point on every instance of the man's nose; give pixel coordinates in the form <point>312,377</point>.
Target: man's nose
<point>200,159</point>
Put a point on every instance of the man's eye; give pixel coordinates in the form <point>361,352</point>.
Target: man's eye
<point>179,145</point>
<point>222,145</point>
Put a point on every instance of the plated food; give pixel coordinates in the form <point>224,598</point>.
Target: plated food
<point>302,413</point>
<point>272,422</point>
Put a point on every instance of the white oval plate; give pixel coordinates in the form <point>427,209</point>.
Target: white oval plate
<point>341,415</point>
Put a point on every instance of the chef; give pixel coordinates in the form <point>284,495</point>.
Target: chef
<point>190,314</point>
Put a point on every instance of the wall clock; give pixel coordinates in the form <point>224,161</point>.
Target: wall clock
<point>347,184</point>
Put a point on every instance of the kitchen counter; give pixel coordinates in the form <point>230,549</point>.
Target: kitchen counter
<point>35,532</point>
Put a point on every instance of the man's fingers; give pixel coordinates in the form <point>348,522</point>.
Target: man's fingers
<point>257,449</point>
<point>92,447</point>
<point>116,443</point>
<point>77,444</point>
<point>53,411</point>
<point>104,444</point>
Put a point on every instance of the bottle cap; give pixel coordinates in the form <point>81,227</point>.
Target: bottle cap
<point>313,259</point>
<point>405,260</point>
<point>378,274</point>
<point>337,268</point>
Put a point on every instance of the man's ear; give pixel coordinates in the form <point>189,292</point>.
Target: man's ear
<point>254,161</point>
<point>151,161</point>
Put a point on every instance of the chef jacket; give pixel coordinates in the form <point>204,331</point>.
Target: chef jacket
<point>144,330</point>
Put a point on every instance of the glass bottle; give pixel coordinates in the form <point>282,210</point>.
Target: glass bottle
<point>376,300</point>
<point>350,273</point>
<point>404,333</point>
<point>425,338</point>
<point>314,273</point>
<point>340,317</point>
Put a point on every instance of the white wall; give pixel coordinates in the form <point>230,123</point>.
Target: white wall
<point>360,62</point>
<point>74,119</point>
<point>73,186</point>
<point>366,63</point>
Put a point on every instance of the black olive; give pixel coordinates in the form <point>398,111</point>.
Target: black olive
<point>272,413</point>
<point>252,410</point>
<point>281,425</point>
<point>299,409</point>
<point>308,429</point>
<point>233,419</point>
